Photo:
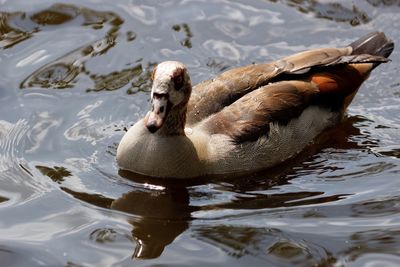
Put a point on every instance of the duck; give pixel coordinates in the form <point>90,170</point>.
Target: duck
<point>248,118</point>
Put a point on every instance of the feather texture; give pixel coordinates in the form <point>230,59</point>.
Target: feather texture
<point>247,118</point>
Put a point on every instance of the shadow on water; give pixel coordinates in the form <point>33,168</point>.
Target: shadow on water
<point>162,209</point>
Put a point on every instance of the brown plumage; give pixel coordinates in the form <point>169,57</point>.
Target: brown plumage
<point>242,102</point>
<point>247,118</point>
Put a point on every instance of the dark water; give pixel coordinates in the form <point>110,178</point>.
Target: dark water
<point>74,76</point>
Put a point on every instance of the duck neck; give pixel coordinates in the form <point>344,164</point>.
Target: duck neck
<point>175,123</point>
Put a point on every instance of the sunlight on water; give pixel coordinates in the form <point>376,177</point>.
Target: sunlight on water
<point>75,77</point>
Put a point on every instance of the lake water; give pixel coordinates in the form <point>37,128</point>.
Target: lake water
<point>74,77</point>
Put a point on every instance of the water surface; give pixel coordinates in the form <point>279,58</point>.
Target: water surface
<point>75,76</point>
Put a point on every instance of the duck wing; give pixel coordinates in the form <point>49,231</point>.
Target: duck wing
<point>213,95</point>
<point>250,117</point>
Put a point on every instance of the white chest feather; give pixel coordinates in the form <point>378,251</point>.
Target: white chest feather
<point>153,155</point>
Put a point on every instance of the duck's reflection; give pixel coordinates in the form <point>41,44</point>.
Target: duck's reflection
<point>163,209</point>
<point>162,216</point>
<point>164,212</point>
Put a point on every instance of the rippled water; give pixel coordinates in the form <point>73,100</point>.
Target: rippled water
<point>74,77</point>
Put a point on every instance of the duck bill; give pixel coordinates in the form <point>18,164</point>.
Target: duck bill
<point>158,113</point>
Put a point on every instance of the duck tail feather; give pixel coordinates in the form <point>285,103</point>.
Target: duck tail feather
<point>375,44</point>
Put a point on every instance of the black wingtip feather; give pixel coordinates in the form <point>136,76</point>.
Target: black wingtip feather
<point>375,43</point>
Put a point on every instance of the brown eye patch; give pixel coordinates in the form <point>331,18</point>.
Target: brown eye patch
<point>178,79</point>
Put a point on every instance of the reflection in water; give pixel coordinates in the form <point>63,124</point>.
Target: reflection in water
<point>164,215</point>
<point>10,34</point>
<point>24,254</point>
<point>378,3</point>
<point>382,207</point>
<point>237,241</point>
<point>130,36</point>
<point>286,249</point>
<point>138,76</point>
<point>58,75</point>
<point>333,11</point>
<point>141,80</point>
<point>55,15</point>
<point>94,199</point>
<point>3,199</point>
<point>384,242</point>
<point>160,214</point>
<point>61,73</point>
<point>108,235</point>
<point>114,80</point>
<point>348,135</point>
<point>263,201</point>
<point>57,174</point>
<point>335,204</point>
<point>217,65</point>
<point>186,42</point>
<point>280,248</point>
<point>395,152</point>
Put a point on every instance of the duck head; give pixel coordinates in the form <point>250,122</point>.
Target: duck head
<point>170,94</point>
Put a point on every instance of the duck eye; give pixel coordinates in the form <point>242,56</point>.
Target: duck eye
<point>178,82</point>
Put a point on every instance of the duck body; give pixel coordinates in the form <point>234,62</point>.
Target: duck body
<point>248,118</point>
<point>200,153</point>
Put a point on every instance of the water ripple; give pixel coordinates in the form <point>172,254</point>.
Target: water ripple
<point>61,190</point>
<point>13,167</point>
